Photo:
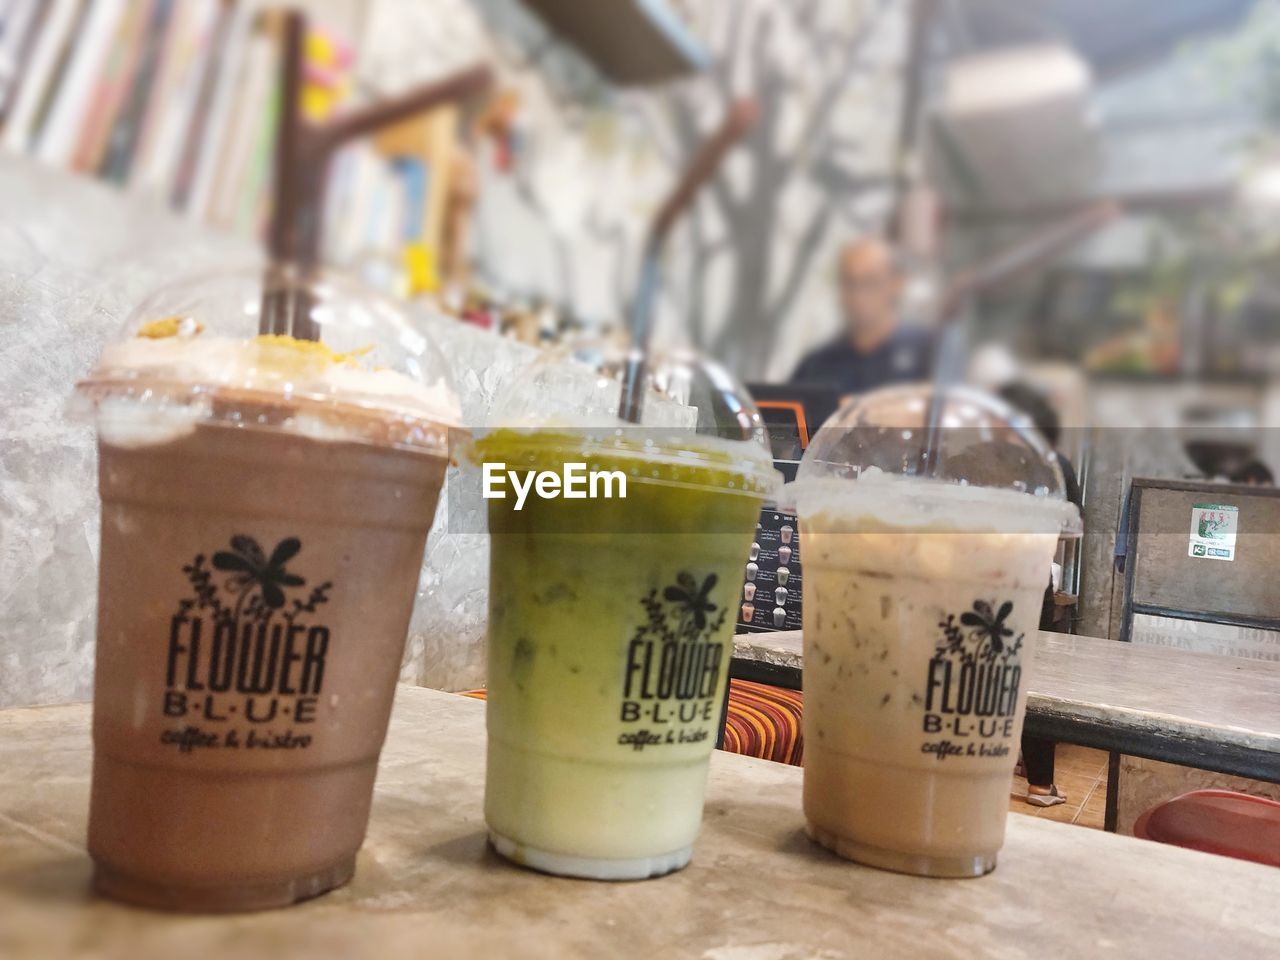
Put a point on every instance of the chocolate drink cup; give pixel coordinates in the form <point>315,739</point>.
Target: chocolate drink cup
<point>236,742</point>
<point>265,508</point>
<point>916,661</point>
<point>611,627</point>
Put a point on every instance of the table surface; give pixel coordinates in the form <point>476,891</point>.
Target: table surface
<point>1222,713</point>
<point>757,888</point>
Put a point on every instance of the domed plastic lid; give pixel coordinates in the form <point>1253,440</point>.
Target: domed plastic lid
<point>191,353</point>
<point>695,414</point>
<point>984,457</point>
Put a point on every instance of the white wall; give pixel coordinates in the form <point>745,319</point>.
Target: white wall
<point>595,162</point>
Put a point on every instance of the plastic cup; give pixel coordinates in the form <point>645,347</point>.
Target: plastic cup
<point>921,596</point>
<point>265,505</point>
<point>610,635</point>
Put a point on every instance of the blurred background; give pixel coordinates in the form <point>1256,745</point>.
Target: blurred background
<point>956,129</point>
<point>1085,190</point>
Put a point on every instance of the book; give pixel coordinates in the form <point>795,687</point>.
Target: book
<point>21,22</point>
<point>219,117</point>
<point>412,172</point>
<point>207,89</point>
<point>42,73</point>
<point>61,132</point>
<point>177,86</point>
<point>111,88</point>
<point>140,97</point>
<point>249,102</point>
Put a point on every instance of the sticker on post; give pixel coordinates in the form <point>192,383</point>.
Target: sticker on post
<point>1213,531</point>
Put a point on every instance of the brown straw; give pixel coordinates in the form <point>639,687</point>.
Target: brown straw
<point>737,123</point>
<point>1001,269</point>
<point>462,85</point>
<point>282,236</point>
<point>281,311</point>
<point>1026,255</point>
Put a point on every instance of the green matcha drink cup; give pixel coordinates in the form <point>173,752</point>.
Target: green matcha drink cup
<point>610,634</point>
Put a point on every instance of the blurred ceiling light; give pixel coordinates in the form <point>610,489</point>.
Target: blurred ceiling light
<point>1017,125</point>
<point>1262,186</point>
<point>1012,78</point>
<point>992,366</point>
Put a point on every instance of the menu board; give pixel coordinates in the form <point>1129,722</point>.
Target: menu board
<point>771,582</point>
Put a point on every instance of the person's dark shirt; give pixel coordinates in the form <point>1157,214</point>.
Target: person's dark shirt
<point>905,356</point>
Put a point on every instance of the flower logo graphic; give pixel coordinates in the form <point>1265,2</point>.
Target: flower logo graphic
<point>257,584</point>
<point>252,568</point>
<point>692,599</point>
<point>682,612</point>
<point>980,634</point>
<point>989,626</point>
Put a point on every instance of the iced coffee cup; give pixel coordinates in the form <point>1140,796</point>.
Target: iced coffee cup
<point>612,619</point>
<point>265,505</point>
<point>925,569</point>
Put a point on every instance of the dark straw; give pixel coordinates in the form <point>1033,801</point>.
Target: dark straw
<point>281,313</point>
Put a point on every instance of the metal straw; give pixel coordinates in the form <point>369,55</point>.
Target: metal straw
<point>303,153</point>
<point>736,123</point>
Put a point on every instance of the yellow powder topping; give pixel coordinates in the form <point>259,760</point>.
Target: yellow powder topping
<point>310,349</point>
<point>285,349</point>
<point>170,327</point>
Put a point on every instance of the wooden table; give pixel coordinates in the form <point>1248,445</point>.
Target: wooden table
<point>427,884</point>
<point>1195,709</point>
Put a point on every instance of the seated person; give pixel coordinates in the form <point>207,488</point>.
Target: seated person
<point>874,349</point>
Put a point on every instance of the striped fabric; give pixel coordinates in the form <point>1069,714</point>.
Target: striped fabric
<point>763,721</point>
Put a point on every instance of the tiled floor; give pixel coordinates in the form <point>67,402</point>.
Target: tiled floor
<point>1081,773</point>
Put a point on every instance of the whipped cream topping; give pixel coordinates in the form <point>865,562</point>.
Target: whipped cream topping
<point>290,369</point>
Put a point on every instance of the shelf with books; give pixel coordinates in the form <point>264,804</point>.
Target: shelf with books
<point>179,100</point>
